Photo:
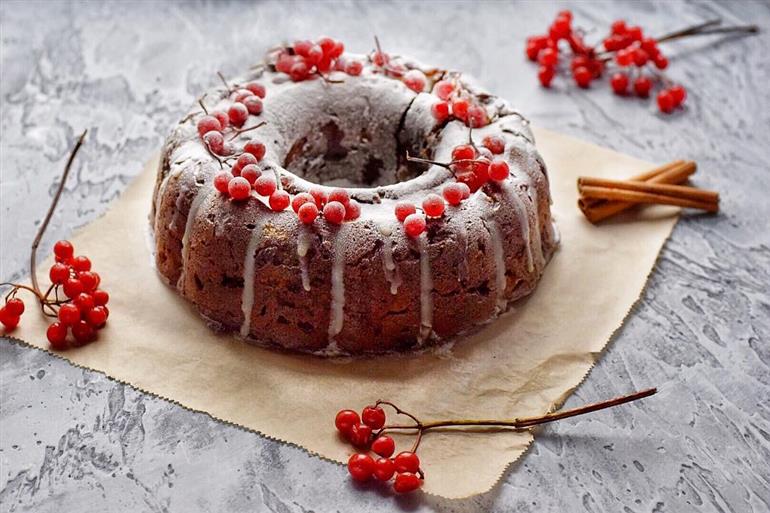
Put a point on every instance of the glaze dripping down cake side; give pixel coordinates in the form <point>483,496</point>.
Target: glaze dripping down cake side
<point>362,285</point>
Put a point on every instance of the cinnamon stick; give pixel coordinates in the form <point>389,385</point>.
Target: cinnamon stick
<point>676,191</point>
<point>629,196</point>
<point>644,177</point>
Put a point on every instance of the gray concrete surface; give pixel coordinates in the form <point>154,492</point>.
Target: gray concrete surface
<point>76,441</point>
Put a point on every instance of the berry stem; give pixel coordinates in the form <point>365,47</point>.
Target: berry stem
<point>49,214</point>
<point>239,131</point>
<point>224,80</point>
<point>692,29</point>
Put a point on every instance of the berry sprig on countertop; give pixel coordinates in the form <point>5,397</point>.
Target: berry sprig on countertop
<point>634,58</point>
<point>367,433</point>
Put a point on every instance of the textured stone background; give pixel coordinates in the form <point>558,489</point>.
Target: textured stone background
<point>73,440</point>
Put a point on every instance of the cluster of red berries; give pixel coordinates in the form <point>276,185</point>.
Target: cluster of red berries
<point>335,207</point>
<point>306,59</point>
<point>10,312</point>
<point>365,433</point>
<point>414,79</point>
<point>631,49</point>
<point>454,103</point>
<point>472,167</point>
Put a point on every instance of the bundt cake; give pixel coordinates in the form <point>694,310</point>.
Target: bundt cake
<point>336,203</point>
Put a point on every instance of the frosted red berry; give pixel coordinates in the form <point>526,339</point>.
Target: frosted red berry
<point>300,199</point>
<point>255,148</point>
<point>208,124</point>
<point>319,195</point>
<point>215,141</point>
<point>256,89</point>
<point>373,416</point>
<point>243,160</point>
<point>414,225</point>
<point>404,209</point>
<point>237,114</point>
<point>440,111</point>
<point>340,195</point>
<point>460,109</point>
<point>253,104</point>
<point>352,210</point>
<point>494,143</point>
<point>361,466</point>
<point>407,461</point>
<point>299,71</point>
<point>443,89</point>
<point>453,193</point>
<point>239,188</point>
<point>221,116</point>
<point>222,181</point>
<point>279,200</point>
<point>251,173</point>
<point>433,205</point>
<point>354,68</point>
<point>307,213</point>
<point>63,249</point>
<point>463,152</point>
<point>57,336</point>
<point>69,314</point>
<point>406,482</point>
<point>384,446</point>
<point>498,170</point>
<point>477,116</point>
<point>415,80</point>
<point>334,212</point>
<point>265,185</point>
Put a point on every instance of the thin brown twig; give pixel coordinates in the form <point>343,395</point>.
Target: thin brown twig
<point>239,131</point>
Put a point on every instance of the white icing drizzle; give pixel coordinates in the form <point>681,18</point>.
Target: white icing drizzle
<point>388,264</point>
<point>498,253</point>
<point>337,310</point>
<point>201,193</point>
<point>426,290</point>
<point>509,189</point>
<point>304,239</point>
<point>249,269</point>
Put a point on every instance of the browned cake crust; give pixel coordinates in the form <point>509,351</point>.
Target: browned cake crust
<point>363,286</point>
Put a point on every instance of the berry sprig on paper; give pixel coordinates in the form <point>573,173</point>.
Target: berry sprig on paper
<point>367,433</point>
<point>635,59</point>
<point>73,298</point>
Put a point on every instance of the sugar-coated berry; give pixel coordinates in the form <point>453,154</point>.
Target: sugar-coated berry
<point>300,199</point>
<point>384,446</point>
<point>222,181</point>
<point>433,205</point>
<point>69,314</point>
<point>373,416</point>
<point>257,89</point>
<point>244,160</point>
<point>384,468</point>
<point>319,195</point>
<point>460,108</point>
<point>255,148</point>
<point>582,76</point>
<point>334,212</point>
<point>494,143</point>
<point>253,104</point>
<point>477,116</point>
<point>443,89</point>
<point>63,249</point>
<point>642,86</point>
<point>279,200</point>
<point>380,58</point>
<point>619,83</point>
<point>414,225</point>
<point>352,210</point>
<point>453,193</point>
<point>221,116</point>
<point>251,173</point>
<point>354,68</point>
<point>407,461</point>
<point>359,435</point>
<point>498,170</point>
<point>239,188</point>
<point>208,124</point>
<point>83,332</point>
<point>242,94</point>
<point>59,273</point>
<point>340,195</point>
<point>480,168</point>
<point>545,75</point>
<point>81,263</point>
<point>307,213</point>
<point>237,114</point>
<point>303,47</point>
<point>406,482</point>
<point>415,80</point>
<point>361,466</point>
<point>15,306</point>
<point>57,336</point>
<point>404,209</point>
<point>345,419</point>
<point>8,320</point>
<point>679,93</point>
<point>440,111</point>
<point>72,287</point>
<point>96,316</point>
<point>665,101</point>
<point>265,185</point>
<point>101,297</point>
<point>299,71</point>
<point>463,152</point>
<point>215,142</point>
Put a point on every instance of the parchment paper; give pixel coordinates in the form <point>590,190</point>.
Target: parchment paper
<point>525,363</point>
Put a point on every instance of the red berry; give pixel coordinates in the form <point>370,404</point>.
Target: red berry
<point>384,469</point>
<point>494,143</point>
<point>360,435</point>
<point>239,188</point>
<point>8,320</point>
<point>533,51</point>
<point>640,57</point>
<point>243,160</point>
<point>83,332</point>
<point>284,62</point>
<point>582,76</point>
<point>221,116</point>
<point>300,199</point>
<point>666,101</point>
<point>480,168</point>
<point>255,148</point>
<point>624,57</point>
<point>340,195</point>
<point>242,94</point>
<point>463,152</point>
<point>433,205</point>
<point>59,273</point>
<point>253,104</point>
<point>443,89</point>
<point>440,111</point>
<point>453,193</point>
<point>63,249</point>
<point>320,197</point>
<point>89,279</point>
<point>215,141</point>
<point>619,83</point>
<point>650,45</point>
<point>238,114</point>
<point>373,416</point>
<point>221,181</point>
<point>84,301</point>
<point>414,225</point>
<point>352,211</point>
<point>384,446</point>
<point>334,212</point>
<point>69,314</point>
<point>302,47</point>
<point>308,212</point>
<point>380,58</point>
<point>679,93</point>
<point>96,316</point>
<point>404,209</point>
<point>406,482</point>
<point>619,27</point>
<point>346,419</point>
<point>477,116</point>
<point>545,75</point>
<point>415,80</point>
<point>635,33</point>
<point>101,297</point>
<point>560,28</point>
<point>337,50</point>
<point>299,71</point>
<point>251,173</point>
<point>279,200</point>
<point>460,109</point>
<point>81,263</point>
<point>660,61</point>
<point>15,306</point>
<point>73,287</point>
<point>354,68</point>
<point>642,86</point>
<point>549,57</point>
<point>207,124</point>
<point>361,466</point>
<point>407,461</point>
<point>498,170</point>
<point>57,335</point>
<point>257,89</point>
<point>265,185</point>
